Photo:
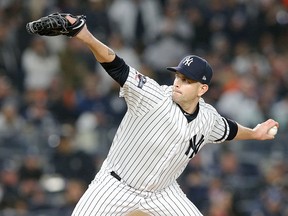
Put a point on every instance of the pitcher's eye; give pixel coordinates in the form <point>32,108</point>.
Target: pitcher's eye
<point>183,78</point>
<point>180,76</point>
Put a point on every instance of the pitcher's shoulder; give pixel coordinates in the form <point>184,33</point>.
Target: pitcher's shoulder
<point>207,106</point>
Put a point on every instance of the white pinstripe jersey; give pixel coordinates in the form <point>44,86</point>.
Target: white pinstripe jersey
<point>154,141</point>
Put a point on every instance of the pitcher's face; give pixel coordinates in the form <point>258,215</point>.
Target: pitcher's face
<point>187,91</point>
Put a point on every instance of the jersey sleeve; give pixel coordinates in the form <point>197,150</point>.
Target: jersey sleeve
<point>219,126</point>
<point>220,131</point>
<point>223,129</point>
<point>141,93</point>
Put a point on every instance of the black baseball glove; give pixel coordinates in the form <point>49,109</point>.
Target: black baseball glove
<point>56,24</point>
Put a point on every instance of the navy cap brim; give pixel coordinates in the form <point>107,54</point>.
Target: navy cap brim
<point>182,71</point>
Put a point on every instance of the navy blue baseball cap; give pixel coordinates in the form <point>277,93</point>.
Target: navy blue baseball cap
<point>194,68</point>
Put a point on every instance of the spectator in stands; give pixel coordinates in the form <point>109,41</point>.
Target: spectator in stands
<point>39,65</point>
<point>69,162</point>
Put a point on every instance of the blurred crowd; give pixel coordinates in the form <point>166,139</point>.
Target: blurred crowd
<point>60,110</point>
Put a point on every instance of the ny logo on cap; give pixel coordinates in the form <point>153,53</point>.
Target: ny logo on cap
<point>188,60</point>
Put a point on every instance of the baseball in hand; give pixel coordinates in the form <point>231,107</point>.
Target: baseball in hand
<point>273,131</point>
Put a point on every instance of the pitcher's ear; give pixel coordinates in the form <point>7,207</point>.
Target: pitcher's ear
<point>203,89</point>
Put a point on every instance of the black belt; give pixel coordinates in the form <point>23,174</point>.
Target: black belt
<point>115,175</point>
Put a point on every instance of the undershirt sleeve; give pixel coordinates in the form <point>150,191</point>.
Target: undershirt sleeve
<point>233,129</point>
<point>117,69</point>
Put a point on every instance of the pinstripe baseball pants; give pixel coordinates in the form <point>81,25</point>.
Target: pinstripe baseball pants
<point>107,196</point>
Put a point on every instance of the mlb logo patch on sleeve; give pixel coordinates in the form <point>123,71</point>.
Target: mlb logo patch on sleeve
<point>141,80</point>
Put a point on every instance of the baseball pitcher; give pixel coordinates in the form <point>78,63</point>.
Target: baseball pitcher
<point>163,128</point>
